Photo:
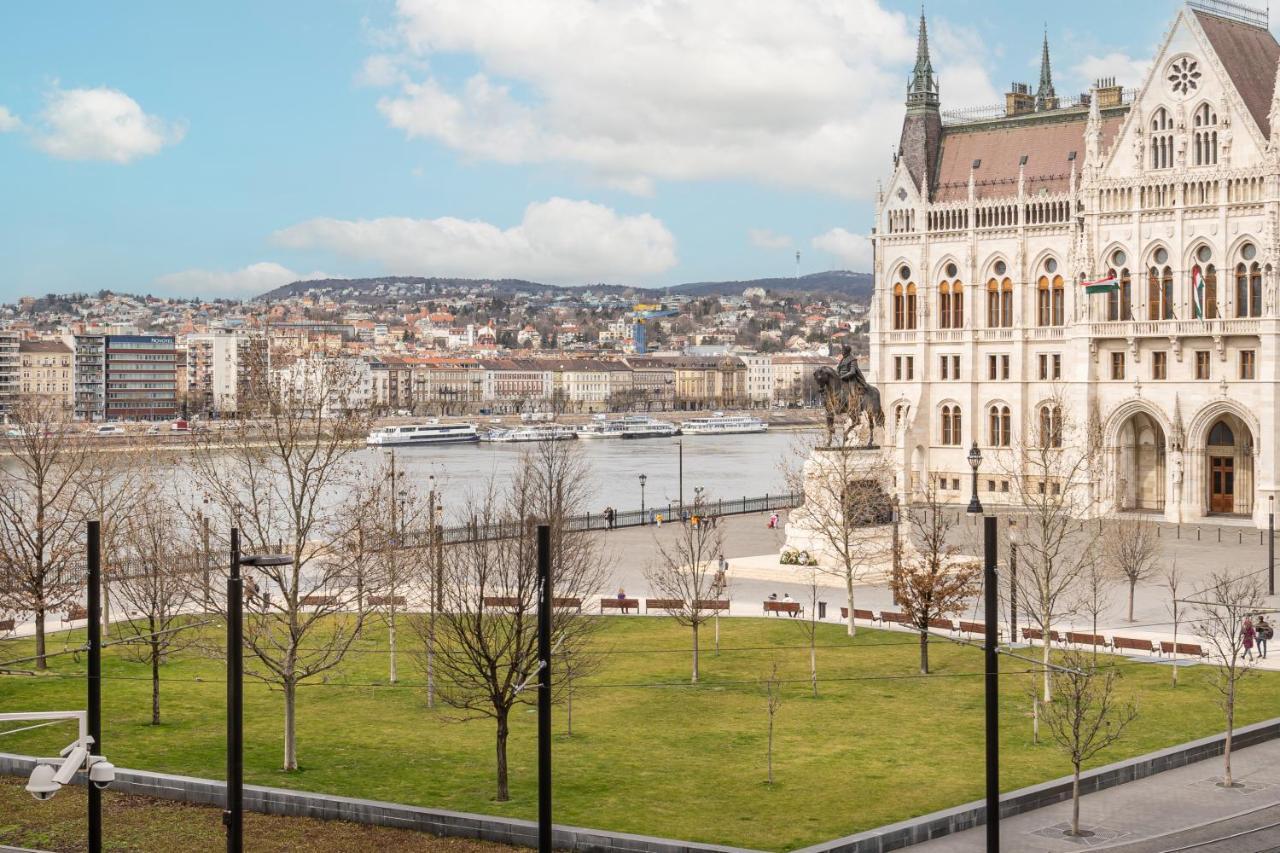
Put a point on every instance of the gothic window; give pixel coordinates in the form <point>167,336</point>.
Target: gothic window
<point>1120,301</point>
<point>998,426</point>
<point>911,306</point>
<point>1160,293</point>
<point>951,426</point>
<point>1248,288</point>
<point>1205,136</point>
<point>1161,139</point>
<point>1000,303</point>
<point>1050,296</point>
<point>1221,435</point>
<point>944,305</point>
<point>951,300</point>
<point>1050,426</point>
<point>1184,75</point>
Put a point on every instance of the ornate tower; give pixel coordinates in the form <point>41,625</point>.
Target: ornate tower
<point>1046,98</point>
<point>922,127</point>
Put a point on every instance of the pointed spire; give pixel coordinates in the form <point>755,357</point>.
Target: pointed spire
<point>923,89</point>
<point>1274,117</point>
<point>1046,99</point>
<point>1093,132</point>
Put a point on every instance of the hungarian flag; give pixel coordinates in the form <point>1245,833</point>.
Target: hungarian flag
<point>1102,285</point>
<point>1197,292</point>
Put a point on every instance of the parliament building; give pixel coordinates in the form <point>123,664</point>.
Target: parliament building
<point>1103,263</point>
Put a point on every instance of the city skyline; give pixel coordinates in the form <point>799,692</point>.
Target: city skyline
<point>426,139</point>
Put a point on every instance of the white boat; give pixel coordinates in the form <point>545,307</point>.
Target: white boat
<point>536,432</point>
<point>719,424</point>
<point>428,433</point>
<point>643,426</point>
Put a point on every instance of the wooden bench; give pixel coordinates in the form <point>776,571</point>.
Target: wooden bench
<point>386,600</point>
<point>7,624</point>
<point>942,624</point>
<point>887,616</point>
<point>858,613</point>
<point>792,608</point>
<point>1133,644</point>
<point>319,600</point>
<point>669,604</point>
<point>973,628</point>
<point>76,613</point>
<point>714,604</point>
<point>1080,639</point>
<point>1037,634</point>
<point>511,602</point>
<point>623,604</point>
<point>1166,648</point>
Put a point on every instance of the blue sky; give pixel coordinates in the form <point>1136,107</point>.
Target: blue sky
<point>224,148</point>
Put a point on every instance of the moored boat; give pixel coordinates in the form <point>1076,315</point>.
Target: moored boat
<point>428,433</point>
<point>720,424</point>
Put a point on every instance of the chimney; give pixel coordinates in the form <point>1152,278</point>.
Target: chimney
<point>1109,94</point>
<point>1019,100</point>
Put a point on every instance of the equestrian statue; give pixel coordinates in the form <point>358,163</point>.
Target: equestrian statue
<point>845,391</point>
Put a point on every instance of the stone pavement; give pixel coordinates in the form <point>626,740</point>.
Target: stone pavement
<point>1162,807</point>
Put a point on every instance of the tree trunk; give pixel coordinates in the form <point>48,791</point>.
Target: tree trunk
<point>106,604</point>
<point>1044,642</point>
<point>717,617</point>
<point>504,793</point>
<point>568,709</point>
<point>1133,586</point>
<point>695,652</point>
<point>848,588</point>
<point>924,652</point>
<point>431,658</point>
<point>813,664</point>
<point>770,754</point>
<point>391,640</point>
<point>1174,668</point>
<point>41,663</point>
<point>290,725</point>
<point>1075,801</point>
<point>1227,781</point>
<point>155,682</point>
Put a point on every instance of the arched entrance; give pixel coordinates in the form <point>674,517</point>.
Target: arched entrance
<point>1140,468</point>
<point>1229,466</point>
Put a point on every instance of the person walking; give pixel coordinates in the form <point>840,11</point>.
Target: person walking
<point>1248,634</point>
<point>1265,632</point>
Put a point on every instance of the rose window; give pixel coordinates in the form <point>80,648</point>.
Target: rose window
<point>1184,75</point>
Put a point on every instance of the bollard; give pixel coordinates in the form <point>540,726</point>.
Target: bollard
<point>1239,538</point>
<point>1157,531</point>
<point>1178,527</point>
<point>1219,535</point>
<point>1197,534</point>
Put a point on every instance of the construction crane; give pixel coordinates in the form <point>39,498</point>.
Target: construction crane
<point>641,314</point>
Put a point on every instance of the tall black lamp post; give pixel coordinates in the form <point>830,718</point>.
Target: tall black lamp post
<point>1271,544</point>
<point>233,817</point>
<point>644,519</point>
<point>975,459</point>
<point>1013,580</point>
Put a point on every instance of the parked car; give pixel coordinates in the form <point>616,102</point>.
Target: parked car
<point>106,430</point>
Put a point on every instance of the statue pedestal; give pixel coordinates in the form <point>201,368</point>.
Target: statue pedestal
<point>828,473</point>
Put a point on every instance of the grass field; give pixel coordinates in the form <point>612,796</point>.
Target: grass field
<point>878,745</point>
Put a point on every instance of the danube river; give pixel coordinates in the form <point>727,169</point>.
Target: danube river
<point>726,466</point>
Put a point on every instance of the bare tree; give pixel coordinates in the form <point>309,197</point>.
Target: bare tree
<point>684,574</point>
<point>1132,548</point>
<point>936,583</point>
<point>772,686</point>
<point>809,626</point>
<point>41,547</point>
<point>289,482</point>
<point>1172,580</point>
<point>1221,609</point>
<point>1087,717</point>
<point>844,510</point>
<point>115,482</point>
<point>154,581</point>
<point>487,651</point>
<point>1094,596</point>
<point>1052,466</point>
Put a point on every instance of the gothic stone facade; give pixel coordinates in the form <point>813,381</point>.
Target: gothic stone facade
<point>983,331</point>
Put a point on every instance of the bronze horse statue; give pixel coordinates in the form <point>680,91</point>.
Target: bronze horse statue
<point>853,398</point>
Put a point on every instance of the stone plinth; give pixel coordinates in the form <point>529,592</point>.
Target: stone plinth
<point>828,473</point>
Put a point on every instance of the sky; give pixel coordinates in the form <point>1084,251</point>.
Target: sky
<point>222,149</point>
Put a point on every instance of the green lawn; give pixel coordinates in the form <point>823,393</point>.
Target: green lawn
<point>675,760</point>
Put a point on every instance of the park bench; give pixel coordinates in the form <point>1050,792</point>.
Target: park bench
<point>663,604</point>
<point>942,624</point>
<point>973,628</point>
<point>319,600</point>
<point>791,608</point>
<point>511,602</point>
<point>7,624</point>
<point>1037,634</point>
<point>623,604</point>
<point>567,603</point>
<point>1133,644</point>
<point>1168,648</point>
<point>1079,639</point>
<point>887,616</point>
<point>386,600</point>
<point>858,613</point>
<point>77,613</point>
<point>714,604</point>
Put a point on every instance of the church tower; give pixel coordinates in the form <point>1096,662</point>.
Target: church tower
<point>922,127</point>
<point>1046,98</point>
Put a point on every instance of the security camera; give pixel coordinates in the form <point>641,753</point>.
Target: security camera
<point>102,774</point>
<point>41,785</point>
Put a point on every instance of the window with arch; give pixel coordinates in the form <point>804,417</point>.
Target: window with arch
<point>1050,296</point>
<point>1160,288</point>
<point>1050,426</point>
<point>1120,301</point>
<point>999,426</point>
<point>1161,139</point>
<point>1000,298</point>
<point>951,426</point>
<point>1204,286</point>
<point>1248,283</point>
<point>951,300</point>
<point>1205,136</point>
<point>904,300</point>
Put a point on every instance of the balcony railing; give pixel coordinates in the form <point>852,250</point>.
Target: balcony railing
<point>1174,328</point>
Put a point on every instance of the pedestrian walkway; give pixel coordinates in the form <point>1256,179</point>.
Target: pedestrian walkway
<point>1162,806</point>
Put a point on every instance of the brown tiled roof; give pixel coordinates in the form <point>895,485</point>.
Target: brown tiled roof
<point>1046,139</point>
<point>43,346</point>
<point>1250,55</point>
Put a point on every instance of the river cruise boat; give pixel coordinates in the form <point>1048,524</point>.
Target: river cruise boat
<point>632,426</point>
<point>719,424</point>
<point>534,432</point>
<point>429,433</point>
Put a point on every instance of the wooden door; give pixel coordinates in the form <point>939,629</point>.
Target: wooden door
<point>1222,485</point>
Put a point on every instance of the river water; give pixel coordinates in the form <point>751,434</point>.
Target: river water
<point>726,466</point>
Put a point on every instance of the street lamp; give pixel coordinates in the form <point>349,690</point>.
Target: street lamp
<point>975,459</point>
<point>233,816</point>
<point>643,479</point>
<point>1014,540</point>
<point>1271,544</point>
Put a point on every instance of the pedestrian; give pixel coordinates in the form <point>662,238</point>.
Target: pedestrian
<point>724,564</point>
<point>773,521</point>
<point>659,519</point>
<point>786,599</point>
<point>608,517</point>
<point>1247,636</point>
<point>622,596</point>
<point>1265,632</point>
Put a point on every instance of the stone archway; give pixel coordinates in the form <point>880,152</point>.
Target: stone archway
<point>1141,464</point>
<point>1228,444</point>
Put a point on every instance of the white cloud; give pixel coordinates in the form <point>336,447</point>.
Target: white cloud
<point>854,250</point>
<point>557,241</point>
<point>1127,70</point>
<point>101,124</point>
<point>248,281</point>
<point>763,238</point>
<point>804,94</point>
<point>963,81</point>
<point>8,121</point>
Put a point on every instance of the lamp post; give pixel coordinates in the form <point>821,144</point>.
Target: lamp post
<point>233,816</point>
<point>94,536</point>
<point>680,451</point>
<point>1014,540</point>
<point>975,459</point>
<point>643,517</point>
<point>1271,544</point>
<point>991,607</point>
